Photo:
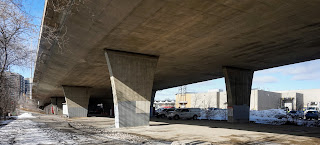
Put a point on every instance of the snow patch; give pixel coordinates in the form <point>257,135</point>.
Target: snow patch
<point>220,114</point>
<point>271,116</point>
<point>25,115</point>
<point>5,122</point>
<point>27,132</point>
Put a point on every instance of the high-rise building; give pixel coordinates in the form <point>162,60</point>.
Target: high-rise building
<point>16,84</point>
<point>28,87</point>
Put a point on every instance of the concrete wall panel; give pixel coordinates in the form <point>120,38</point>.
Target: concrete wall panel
<point>268,100</point>
<point>205,100</point>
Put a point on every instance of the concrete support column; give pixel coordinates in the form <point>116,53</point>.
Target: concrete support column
<point>131,78</point>
<point>218,100</point>
<point>238,84</point>
<point>152,101</point>
<point>77,100</point>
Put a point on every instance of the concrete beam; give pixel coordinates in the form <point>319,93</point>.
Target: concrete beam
<point>131,78</point>
<point>77,100</point>
<point>238,85</point>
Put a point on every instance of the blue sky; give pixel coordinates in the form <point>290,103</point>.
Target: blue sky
<point>304,75</point>
<point>35,9</point>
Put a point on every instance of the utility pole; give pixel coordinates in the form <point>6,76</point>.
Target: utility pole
<point>31,60</point>
<point>183,97</point>
<point>31,68</point>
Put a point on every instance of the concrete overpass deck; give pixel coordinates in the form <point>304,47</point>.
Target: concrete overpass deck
<point>192,40</point>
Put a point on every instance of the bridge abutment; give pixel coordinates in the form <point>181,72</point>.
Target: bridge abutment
<point>77,100</point>
<point>238,84</point>
<point>131,78</point>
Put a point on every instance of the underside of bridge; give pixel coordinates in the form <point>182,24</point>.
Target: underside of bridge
<point>158,44</point>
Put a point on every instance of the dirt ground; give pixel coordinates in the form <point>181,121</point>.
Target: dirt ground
<point>35,128</point>
<point>100,130</point>
<point>213,132</point>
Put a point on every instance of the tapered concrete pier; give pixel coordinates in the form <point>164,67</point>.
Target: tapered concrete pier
<point>77,99</point>
<point>238,84</point>
<point>131,78</point>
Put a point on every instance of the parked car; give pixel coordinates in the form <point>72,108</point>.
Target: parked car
<point>164,113</point>
<point>185,113</point>
<point>296,114</point>
<point>312,115</point>
<point>280,116</point>
<point>210,109</point>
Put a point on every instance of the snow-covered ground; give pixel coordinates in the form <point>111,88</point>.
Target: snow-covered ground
<point>25,116</point>
<point>27,129</point>
<point>213,114</point>
<point>24,131</point>
<point>270,116</point>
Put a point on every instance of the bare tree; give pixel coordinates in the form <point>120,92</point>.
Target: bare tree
<point>9,97</point>
<point>194,100</point>
<point>16,30</point>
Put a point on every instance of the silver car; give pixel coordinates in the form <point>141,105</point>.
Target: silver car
<point>164,112</point>
<point>185,113</point>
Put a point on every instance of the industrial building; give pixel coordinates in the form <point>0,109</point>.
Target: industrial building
<point>259,99</point>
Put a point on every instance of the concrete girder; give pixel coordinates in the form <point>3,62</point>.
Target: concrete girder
<point>238,85</point>
<point>77,100</point>
<point>131,78</point>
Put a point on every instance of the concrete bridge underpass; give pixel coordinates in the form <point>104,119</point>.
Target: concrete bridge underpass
<point>126,50</point>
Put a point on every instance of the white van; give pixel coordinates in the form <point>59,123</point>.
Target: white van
<point>186,113</point>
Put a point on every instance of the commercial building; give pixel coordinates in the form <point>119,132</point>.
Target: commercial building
<point>308,95</point>
<point>259,100</point>
<point>164,104</point>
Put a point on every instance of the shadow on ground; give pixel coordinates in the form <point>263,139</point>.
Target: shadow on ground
<point>3,123</point>
<point>280,129</point>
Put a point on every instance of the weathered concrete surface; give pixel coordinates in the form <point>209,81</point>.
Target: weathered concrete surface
<point>131,78</point>
<point>194,39</point>
<point>238,84</point>
<point>77,99</point>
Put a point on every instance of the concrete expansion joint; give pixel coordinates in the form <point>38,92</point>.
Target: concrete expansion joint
<point>77,86</point>
<point>130,53</point>
<point>236,68</point>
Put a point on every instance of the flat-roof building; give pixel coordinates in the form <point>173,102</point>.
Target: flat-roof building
<point>259,100</point>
